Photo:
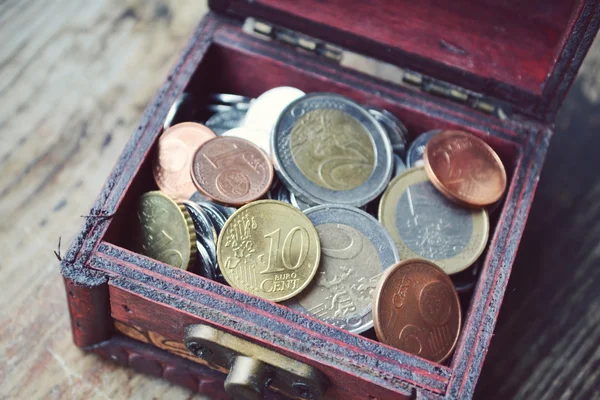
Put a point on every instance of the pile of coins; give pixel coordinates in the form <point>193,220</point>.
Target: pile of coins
<point>320,203</point>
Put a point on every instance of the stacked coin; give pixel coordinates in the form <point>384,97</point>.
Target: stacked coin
<point>309,244</point>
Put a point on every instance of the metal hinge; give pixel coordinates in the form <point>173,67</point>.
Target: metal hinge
<point>455,93</point>
<point>410,78</point>
<point>294,39</point>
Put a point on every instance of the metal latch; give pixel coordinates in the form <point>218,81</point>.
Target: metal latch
<point>293,38</point>
<point>253,368</point>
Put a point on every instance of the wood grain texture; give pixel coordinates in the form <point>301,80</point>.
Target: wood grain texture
<point>75,77</point>
<point>74,80</point>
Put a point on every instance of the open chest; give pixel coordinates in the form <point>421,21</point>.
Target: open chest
<point>496,69</point>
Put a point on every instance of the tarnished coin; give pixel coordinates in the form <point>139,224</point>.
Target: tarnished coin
<point>269,249</point>
<point>416,310</point>
<point>164,230</point>
<point>265,109</point>
<point>329,149</point>
<point>355,250</point>
<point>231,171</point>
<point>224,121</point>
<point>252,135</point>
<point>425,224</point>
<point>414,155</point>
<point>171,166</point>
<point>395,129</point>
<point>465,168</point>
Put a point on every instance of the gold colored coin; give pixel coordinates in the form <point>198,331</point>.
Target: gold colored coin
<point>165,230</point>
<point>332,149</point>
<point>269,249</point>
<point>425,224</point>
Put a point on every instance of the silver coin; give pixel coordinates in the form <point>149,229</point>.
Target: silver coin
<point>414,155</point>
<point>329,149</point>
<point>399,166</point>
<point>251,135</point>
<point>183,109</point>
<point>219,108</point>
<point>299,204</point>
<point>223,121</point>
<point>355,251</point>
<point>216,215</point>
<point>205,230</point>
<point>227,98</point>
<point>265,109</point>
<point>395,129</point>
<point>204,263</point>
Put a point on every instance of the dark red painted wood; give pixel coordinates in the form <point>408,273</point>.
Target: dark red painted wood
<point>510,50</point>
<point>89,310</point>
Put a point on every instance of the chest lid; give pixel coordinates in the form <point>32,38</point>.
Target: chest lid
<point>525,53</point>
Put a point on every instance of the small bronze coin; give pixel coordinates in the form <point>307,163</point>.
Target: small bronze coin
<point>231,171</point>
<point>465,168</point>
<point>416,309</point>
<point>176,147</point>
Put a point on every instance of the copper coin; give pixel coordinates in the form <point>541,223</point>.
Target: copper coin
<point>465,168</point>
<point>176,147</point>
<point>231,171</point>
<point>416,309</point>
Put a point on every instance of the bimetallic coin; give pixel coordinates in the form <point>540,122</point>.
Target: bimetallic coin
<point>355,250</point>
<point>399,166</point>
<point>164,230</point>
<point>425,224</point>
<point>465,168</point>
<point>414,155</point>
<point>171,166</point>
<point>231,171</point>
<point>329,149</point>
<point>269,249</point>
<point>252,135</point>
<point>416,309</point>
<point>265,109</point>
<point>395,129</point>
<point>223,121</point>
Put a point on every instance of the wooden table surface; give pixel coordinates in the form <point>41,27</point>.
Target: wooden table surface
<point>75,77</point>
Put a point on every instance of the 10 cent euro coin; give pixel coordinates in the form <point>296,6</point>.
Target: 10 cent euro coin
<point>269,249</point>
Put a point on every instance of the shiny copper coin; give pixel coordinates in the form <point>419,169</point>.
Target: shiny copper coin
<point>231,171</point>
<point>176,147</point>
<point>465,168</point>
<point>416,310</point>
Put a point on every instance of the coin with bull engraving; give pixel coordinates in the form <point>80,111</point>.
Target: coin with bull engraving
<point>171,165</point>
<point>329,149</point>
<point>355,250</point>
<point>231,171</point>
<point>416,309</point>
<point>425,224</point>
<point>414,155</point>
<point>269,249</point>
<point>164,230</point>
